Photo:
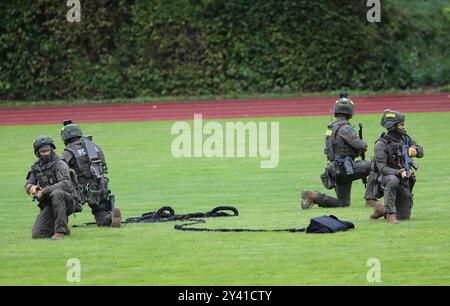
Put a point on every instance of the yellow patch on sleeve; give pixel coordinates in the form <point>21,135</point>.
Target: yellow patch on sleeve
<point>390,116</point>
<point>329,133</point>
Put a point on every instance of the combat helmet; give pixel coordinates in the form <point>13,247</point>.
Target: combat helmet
<point>70,130</point>
<point>42,141</point>
<point>344,105</point>
<point>390,118</point>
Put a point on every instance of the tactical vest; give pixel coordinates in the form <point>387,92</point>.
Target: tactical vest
<point>393,148</point>
<point>45,174</point>
<point>89,158</point>
<point>336,145</point>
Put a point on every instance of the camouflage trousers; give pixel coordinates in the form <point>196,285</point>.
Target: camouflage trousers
<point>96,194</point>
<point>397,196</point>
<point>343,188</point>
<point>53,218</point>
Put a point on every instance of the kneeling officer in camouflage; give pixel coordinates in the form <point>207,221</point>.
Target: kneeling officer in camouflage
<point>342,146</point>
<point>49,183</point>
<point>394,168</point>
<point>84,156</point>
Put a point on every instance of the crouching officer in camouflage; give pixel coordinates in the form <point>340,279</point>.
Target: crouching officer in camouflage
<point>50,184</point>
<point>84,156</point>
<point>342,146</point>
<point>394,168</point>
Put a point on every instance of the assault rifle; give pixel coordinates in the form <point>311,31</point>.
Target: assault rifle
<point>362,154</point>
<point>406,161</point>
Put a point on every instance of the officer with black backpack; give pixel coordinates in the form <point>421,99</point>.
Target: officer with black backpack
<point>84,156</point>
<point>342,147</point>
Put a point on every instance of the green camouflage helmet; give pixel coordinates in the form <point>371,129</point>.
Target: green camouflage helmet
<point>391,118</point>
<point>42,141</point>
<point>70,130</point>
<point>344,105</point>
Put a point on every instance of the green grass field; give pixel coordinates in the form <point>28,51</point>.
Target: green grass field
<point>144,176</point>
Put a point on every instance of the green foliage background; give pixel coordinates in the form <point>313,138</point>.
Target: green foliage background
<point>132,48</point>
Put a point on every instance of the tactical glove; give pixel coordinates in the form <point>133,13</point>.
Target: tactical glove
<point>39,194</point>
<point>402,173</point>
<point>412,152</point>
<point>32,190</point>
<point>35,192</point>
<point>405,174</point>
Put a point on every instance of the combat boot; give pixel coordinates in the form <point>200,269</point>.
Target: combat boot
<point>378,212</point>
<point>116,218</point>
<point>372,203</point>
<point>58,236</point>
<point>392,219</point>
<point>308,198</point>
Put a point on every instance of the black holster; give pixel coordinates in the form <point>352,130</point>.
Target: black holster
<point>344,165</point>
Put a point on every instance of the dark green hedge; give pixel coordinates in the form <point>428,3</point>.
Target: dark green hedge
<point>135,48</point>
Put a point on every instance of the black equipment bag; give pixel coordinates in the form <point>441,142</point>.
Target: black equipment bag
<point>328,224</point>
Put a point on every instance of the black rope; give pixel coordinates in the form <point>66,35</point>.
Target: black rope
<point>167,214</point>
<point>85,224</point>
<point>182,227</point>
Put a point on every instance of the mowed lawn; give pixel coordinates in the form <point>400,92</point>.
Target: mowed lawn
<point>145,176</point>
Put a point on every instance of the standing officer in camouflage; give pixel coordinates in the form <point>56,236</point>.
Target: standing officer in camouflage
<point>394,151</point>
<point>87,159</point>
<point>342,146</point>
<point>49,183</point>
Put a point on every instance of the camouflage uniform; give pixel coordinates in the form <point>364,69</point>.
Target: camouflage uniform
<point>347,144</point>
<point>56,203</point>
<point>90,174</point>
<point>342,146</point>
<point>398,196</point>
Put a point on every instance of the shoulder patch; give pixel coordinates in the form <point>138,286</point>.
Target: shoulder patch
<point>63,172</point>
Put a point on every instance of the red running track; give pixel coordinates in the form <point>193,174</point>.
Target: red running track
<point>220,109</point>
